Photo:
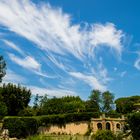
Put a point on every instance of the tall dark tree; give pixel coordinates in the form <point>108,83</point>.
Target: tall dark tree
<point>107,101</point>
<point>15,97</point>
<point>2,68</point>
<point>94,100</point>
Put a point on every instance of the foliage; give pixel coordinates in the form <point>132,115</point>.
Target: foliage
<point>100,101</point>
<point>113,114</point>
<point>15,97</point>
<point>134,124</point>
<point>107,101</point>
<point>126,105</point>
<point>28,111</point>
<point>62,119</point>
<point>20,127</point>
<point>24,126</point>
<point>3,109</point>
<point>93,104</point>
<point>68,104</point>
<point>104,135</point>
<point>2,68</point>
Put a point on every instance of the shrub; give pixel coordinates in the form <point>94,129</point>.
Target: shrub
<point>104,135</point>
<point>62,119</point>
<point>20,127</point>
<point>26,112</point>
<point>113,114</point>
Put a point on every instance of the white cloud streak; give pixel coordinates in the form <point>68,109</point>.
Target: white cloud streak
<point>52,30</point>
<point>28,62</point>
<point>90,80</point>
<point>57,92</point>
<point>13,46</point>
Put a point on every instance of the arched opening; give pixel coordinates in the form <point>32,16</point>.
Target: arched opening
<point>99,126</point>
<point>108,126</point>
<point>118,126</point>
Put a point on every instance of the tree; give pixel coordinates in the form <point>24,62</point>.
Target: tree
<point>126,104</point>
<point>107,101</point>
<point>94,100</point>
<point>15,97</point>
<point>134,124</point>
<point>68,104</point>
<point>2,68</point>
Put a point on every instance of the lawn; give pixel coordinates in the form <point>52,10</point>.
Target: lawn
<point>59,137</point>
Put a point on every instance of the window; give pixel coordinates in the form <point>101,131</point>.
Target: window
<point>99,125</point>
<point>108,126</point>
<point>118,126</point>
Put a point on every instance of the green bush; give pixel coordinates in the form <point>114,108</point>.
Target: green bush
<point>26,112</point>
<point>20,127</point>
<point>104,135</point>
<point>113,115</point>
<point>62,119</point>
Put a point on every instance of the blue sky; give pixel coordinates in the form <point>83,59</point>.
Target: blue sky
<point>60,47</point>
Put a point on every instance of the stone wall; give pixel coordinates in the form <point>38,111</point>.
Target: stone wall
<point>70,128</point>
<point>103,123</point>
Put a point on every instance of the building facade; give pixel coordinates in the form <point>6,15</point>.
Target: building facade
<point>106,123</point>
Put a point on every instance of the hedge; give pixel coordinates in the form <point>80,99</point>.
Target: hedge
<point>113,115</point>
<point>20,127</point>
<point>24,126</point>
<point>62,119</point>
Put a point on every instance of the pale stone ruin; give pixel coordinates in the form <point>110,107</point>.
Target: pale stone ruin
<point>116,125</point>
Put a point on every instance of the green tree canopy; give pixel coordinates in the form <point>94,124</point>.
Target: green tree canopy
<point>15,97</point>
<point>126,105</point>
<point>107,101</point>
<point>68,104</point>
<point>93,104</point>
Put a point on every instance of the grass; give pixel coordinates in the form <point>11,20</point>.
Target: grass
<point>59,137</point>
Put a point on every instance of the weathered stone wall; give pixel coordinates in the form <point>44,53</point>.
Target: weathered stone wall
<point>103,123</point>
<point>70,128</point>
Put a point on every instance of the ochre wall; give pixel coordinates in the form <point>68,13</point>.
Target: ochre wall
<point>70,128</point>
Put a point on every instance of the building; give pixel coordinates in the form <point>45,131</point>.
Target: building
<point>106,123</point>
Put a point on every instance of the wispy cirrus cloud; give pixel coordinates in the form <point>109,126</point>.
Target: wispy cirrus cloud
<point>92,81</point>
<point>57,92</point>
<point>13,46</point>
<point>27,62</point>
<point>53,32</point>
